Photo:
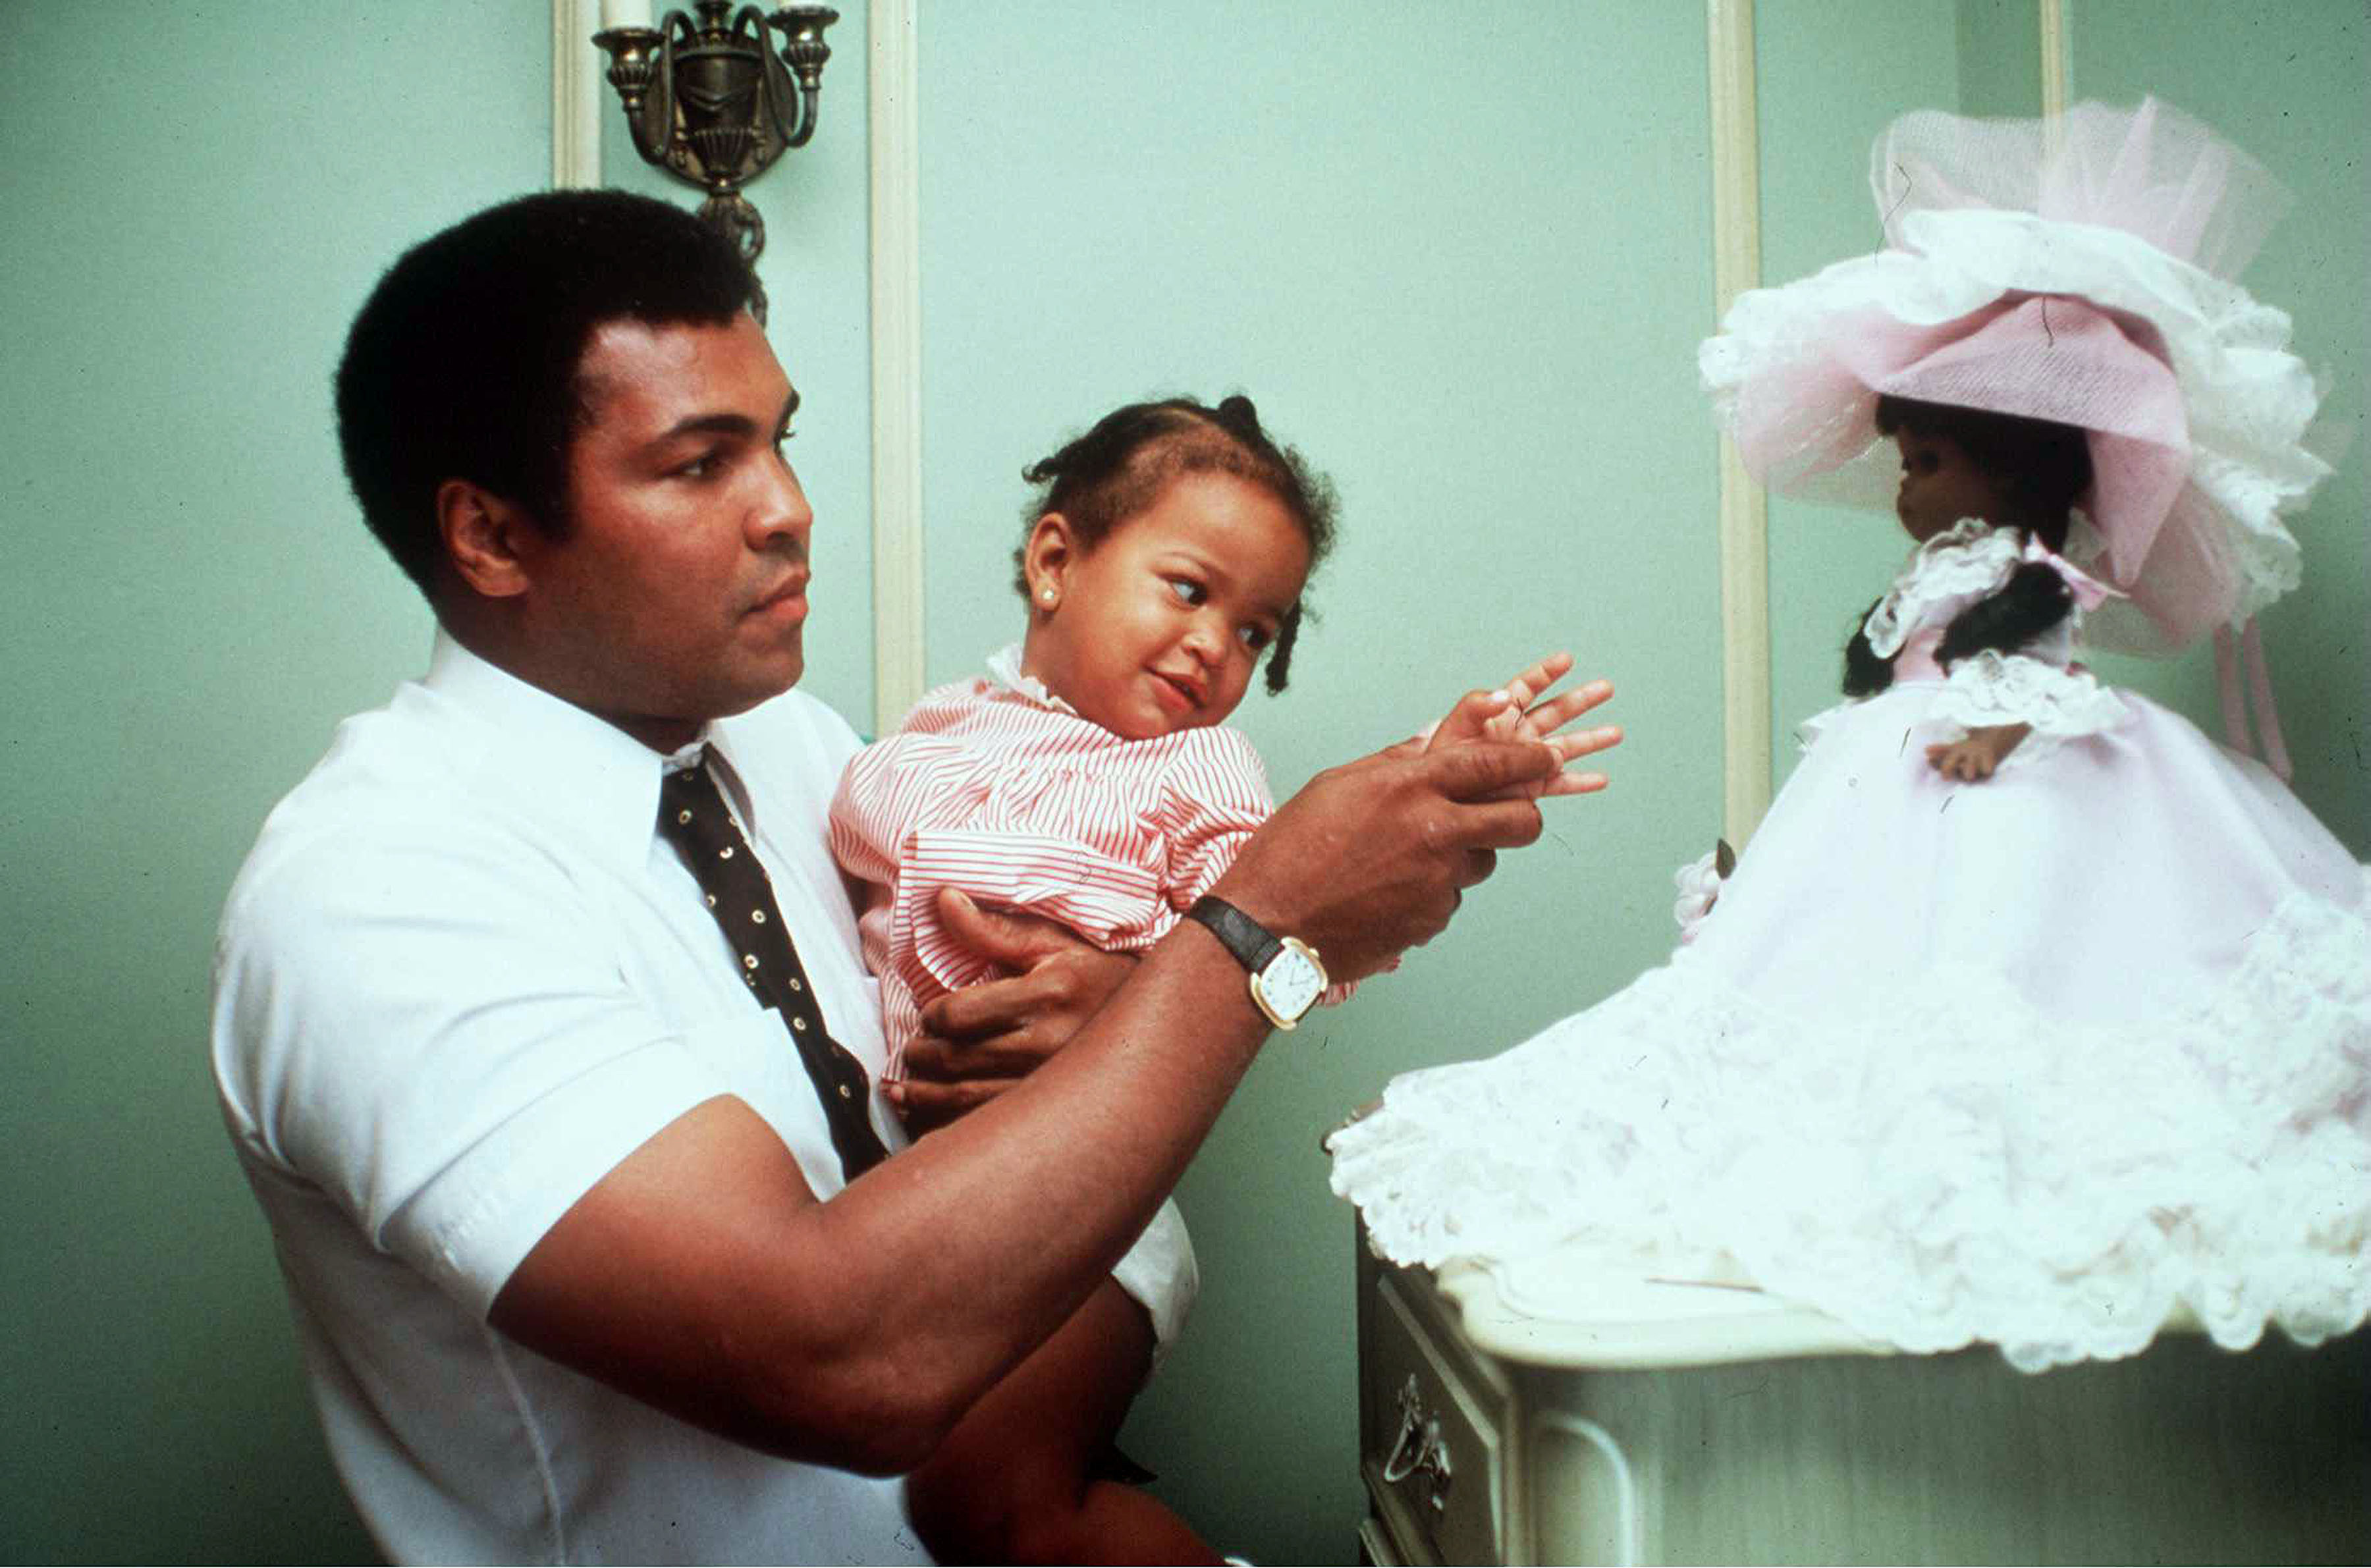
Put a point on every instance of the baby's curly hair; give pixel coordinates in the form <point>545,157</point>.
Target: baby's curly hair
<point>1119,467</point>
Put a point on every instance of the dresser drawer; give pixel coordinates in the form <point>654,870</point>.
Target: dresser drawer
<point>1433,1439</point>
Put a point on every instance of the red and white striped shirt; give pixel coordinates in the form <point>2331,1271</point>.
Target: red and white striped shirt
<point>998,787</point>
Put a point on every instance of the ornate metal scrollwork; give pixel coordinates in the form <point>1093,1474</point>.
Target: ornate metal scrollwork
<point>711,102</point>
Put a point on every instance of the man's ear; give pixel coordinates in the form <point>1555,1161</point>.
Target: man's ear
<point>1047,560</point>
<point>483,534</point>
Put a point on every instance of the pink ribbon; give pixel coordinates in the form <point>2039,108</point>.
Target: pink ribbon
<point>2089,592</point>
<point>2259,694</point>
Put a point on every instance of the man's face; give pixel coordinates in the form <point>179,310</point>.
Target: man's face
<point>679,593</point>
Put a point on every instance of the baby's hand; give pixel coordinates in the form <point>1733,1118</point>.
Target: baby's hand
<point>1517,711</point>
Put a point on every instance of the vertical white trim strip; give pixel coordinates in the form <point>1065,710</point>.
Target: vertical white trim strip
<point>577,83</point>
<point>895,141</point>
<point>2057,60</point>
<point>1744,514</point>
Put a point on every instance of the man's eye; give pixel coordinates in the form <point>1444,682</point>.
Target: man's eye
<point>700,467</point>
<point>1189,592</point>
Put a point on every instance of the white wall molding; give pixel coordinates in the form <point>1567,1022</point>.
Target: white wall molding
<point>1744,511</point>
<point>577,82</point>
<point>2057,59</point>
<point>896,282</point>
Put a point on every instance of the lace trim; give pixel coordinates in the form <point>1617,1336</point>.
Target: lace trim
<point>2054,1189</point>
<point>1699,885</point>
<point>1970,557</point>
<point>1989,688</point>
<point>1004,669</point>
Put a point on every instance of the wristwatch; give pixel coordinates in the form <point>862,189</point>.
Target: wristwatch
<point>1286,978</point>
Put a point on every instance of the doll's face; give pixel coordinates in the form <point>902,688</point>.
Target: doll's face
<point>1940,485</point>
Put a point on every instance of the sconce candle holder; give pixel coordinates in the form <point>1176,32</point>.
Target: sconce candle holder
<point>710,100</point>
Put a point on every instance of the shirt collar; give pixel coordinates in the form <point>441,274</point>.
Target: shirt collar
<point>566,761</point>
<point>1004,670</point>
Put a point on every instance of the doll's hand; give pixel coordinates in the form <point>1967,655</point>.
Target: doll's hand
<point>1519,711</point>
<point>1978,756</point>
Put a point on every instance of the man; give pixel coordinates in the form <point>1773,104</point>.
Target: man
<point>547,1172</point>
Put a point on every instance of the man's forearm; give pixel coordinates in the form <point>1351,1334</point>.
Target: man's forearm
<point>703,1276</point>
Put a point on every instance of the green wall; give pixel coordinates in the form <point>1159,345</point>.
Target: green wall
<point>199,198</point>
<point>198,201</point>
<point>1460,257</point>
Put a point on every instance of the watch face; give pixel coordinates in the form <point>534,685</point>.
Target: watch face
<point>1290,982</point>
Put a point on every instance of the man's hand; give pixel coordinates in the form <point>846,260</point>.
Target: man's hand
<point>1519,711</point>
<point>984,1039</point>
<point>1371,858</point>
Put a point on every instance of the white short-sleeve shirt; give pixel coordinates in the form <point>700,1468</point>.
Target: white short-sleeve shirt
<point>459,978</point>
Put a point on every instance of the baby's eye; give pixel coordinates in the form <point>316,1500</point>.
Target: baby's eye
<point>1189,592</point>
<point>1255,638</point>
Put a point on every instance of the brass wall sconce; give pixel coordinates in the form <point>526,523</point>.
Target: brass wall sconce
<point>709,99</point>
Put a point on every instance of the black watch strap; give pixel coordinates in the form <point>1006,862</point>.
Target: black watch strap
<point>1238,932</point>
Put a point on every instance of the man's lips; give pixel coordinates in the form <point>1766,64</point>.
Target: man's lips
<point>789,599</point>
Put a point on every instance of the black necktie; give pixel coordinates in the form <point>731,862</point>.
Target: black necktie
<point>692,817</point>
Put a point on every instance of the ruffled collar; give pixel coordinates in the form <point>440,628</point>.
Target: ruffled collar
<point>1970,556</point>
<point>1004,670</point>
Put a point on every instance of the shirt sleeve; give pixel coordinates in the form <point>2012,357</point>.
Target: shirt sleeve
<point>2059,704</point>
<point>396,1026</point>
<point>1214,796</point>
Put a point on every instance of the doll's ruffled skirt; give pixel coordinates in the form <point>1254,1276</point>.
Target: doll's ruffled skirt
<point>2033,1062</point>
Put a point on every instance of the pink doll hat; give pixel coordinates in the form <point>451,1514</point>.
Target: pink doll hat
<point>2077,272</point>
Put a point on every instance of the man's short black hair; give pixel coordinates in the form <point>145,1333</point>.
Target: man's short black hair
<point>463,363</point>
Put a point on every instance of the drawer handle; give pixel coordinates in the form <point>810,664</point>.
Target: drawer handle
<point>1419,1448</point>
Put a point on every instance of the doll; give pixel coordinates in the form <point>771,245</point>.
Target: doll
<point>2029,1015</point>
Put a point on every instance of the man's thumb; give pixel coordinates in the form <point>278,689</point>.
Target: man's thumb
<point>1005,939</point>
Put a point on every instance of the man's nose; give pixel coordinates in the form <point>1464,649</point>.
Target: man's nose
<point>779,507</point>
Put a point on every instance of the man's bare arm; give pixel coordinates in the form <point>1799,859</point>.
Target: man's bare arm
<point>703,1276</point>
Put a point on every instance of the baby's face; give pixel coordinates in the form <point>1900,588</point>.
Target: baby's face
<point>1161,625</point>
<point>1940,485</point>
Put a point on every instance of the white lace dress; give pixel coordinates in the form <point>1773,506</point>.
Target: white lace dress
<point>2037,1061</point>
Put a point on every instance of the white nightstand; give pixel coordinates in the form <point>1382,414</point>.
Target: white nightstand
<point>1552,1417</point>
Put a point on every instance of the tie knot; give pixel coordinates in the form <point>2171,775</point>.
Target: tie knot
<point>691,807</point>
